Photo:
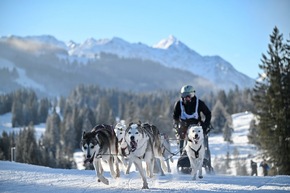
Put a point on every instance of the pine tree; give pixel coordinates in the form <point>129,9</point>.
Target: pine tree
<point>228,130</point>
<point>52,132</point>
<point>271,98</point>
<point>252,136</point>
<point>4,146</point>
<point>219,117</point>
<point>26,146</point>
<point>42,111</point>
<point>17,118</point>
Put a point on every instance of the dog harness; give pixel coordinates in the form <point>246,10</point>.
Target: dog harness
<point>184,115</point>
<point>196,152</point>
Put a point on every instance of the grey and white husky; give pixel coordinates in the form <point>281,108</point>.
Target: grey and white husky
<point>101,143</point>
<point>142,142</point>
<point>120,130</point>
<point>166,150</point>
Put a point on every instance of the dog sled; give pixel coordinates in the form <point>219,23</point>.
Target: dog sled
<point>183,163</point>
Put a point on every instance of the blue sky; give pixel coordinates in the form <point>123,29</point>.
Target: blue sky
<point>236,30</point>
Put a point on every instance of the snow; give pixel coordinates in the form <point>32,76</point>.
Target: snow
<point>17,177</point>
<point>6,125</point>
<point>23,79</point>
<point>166,43</point>
<point>20,177</point>
<point>241,123</point>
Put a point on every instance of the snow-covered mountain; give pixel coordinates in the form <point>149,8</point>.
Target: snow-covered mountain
<point>113,63</point>
<point>171,53</point>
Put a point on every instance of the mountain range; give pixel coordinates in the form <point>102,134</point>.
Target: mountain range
<point>52,67</point>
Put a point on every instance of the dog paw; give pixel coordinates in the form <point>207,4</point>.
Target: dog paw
<point>114,175</point>
<point>145,186</point>
<point>105,181</point>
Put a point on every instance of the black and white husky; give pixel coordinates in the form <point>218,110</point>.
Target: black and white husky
<point>195,149</point>
<point>142,142</point>
<point>101,143</point>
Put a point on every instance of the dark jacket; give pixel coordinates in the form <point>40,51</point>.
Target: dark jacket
<point>189,108</point>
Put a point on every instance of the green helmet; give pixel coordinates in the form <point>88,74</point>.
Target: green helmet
<point>187,90</point>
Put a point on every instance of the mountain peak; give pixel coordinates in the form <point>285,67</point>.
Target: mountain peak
<point>166,43</point>
<point>71,44</point>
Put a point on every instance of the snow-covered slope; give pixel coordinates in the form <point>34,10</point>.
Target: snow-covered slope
<point>22,78</point>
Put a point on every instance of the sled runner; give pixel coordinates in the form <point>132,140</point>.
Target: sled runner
<point>183,165</point>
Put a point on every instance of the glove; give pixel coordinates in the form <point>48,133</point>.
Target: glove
<point>205,128</point>
<point>175,127</point>
<point>175,124</point>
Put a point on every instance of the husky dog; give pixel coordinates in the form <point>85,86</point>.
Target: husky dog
<point>166,150</point>
<point>101,143</point>
<point>195,149</point>
<point>120,129</point>
<point>142,142</point>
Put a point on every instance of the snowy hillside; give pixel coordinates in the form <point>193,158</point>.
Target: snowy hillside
<point>170,62</point>
<point>18,177</point>
<point>41,63</point>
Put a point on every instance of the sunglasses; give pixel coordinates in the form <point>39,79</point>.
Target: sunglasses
<point>187,97</point>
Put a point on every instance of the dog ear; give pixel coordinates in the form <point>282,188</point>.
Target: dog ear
<point>131,124</point>
<point>83,134</point>
<point>139,123</point>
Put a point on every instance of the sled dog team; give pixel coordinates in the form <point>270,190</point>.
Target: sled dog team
<point>137,143</point>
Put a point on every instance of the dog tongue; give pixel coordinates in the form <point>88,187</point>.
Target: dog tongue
<point>87,160</point>
<point>133,145</point>
<point>90,159</point>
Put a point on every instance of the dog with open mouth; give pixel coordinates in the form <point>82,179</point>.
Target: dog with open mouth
<point>142,143</point>
<point>195,149</point>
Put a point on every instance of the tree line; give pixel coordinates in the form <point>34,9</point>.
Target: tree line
<point>87,105</point>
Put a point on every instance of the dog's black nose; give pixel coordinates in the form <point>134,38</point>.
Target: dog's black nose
<point>88,156</point>
<point>132,138</point>
<point>196,136</point>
